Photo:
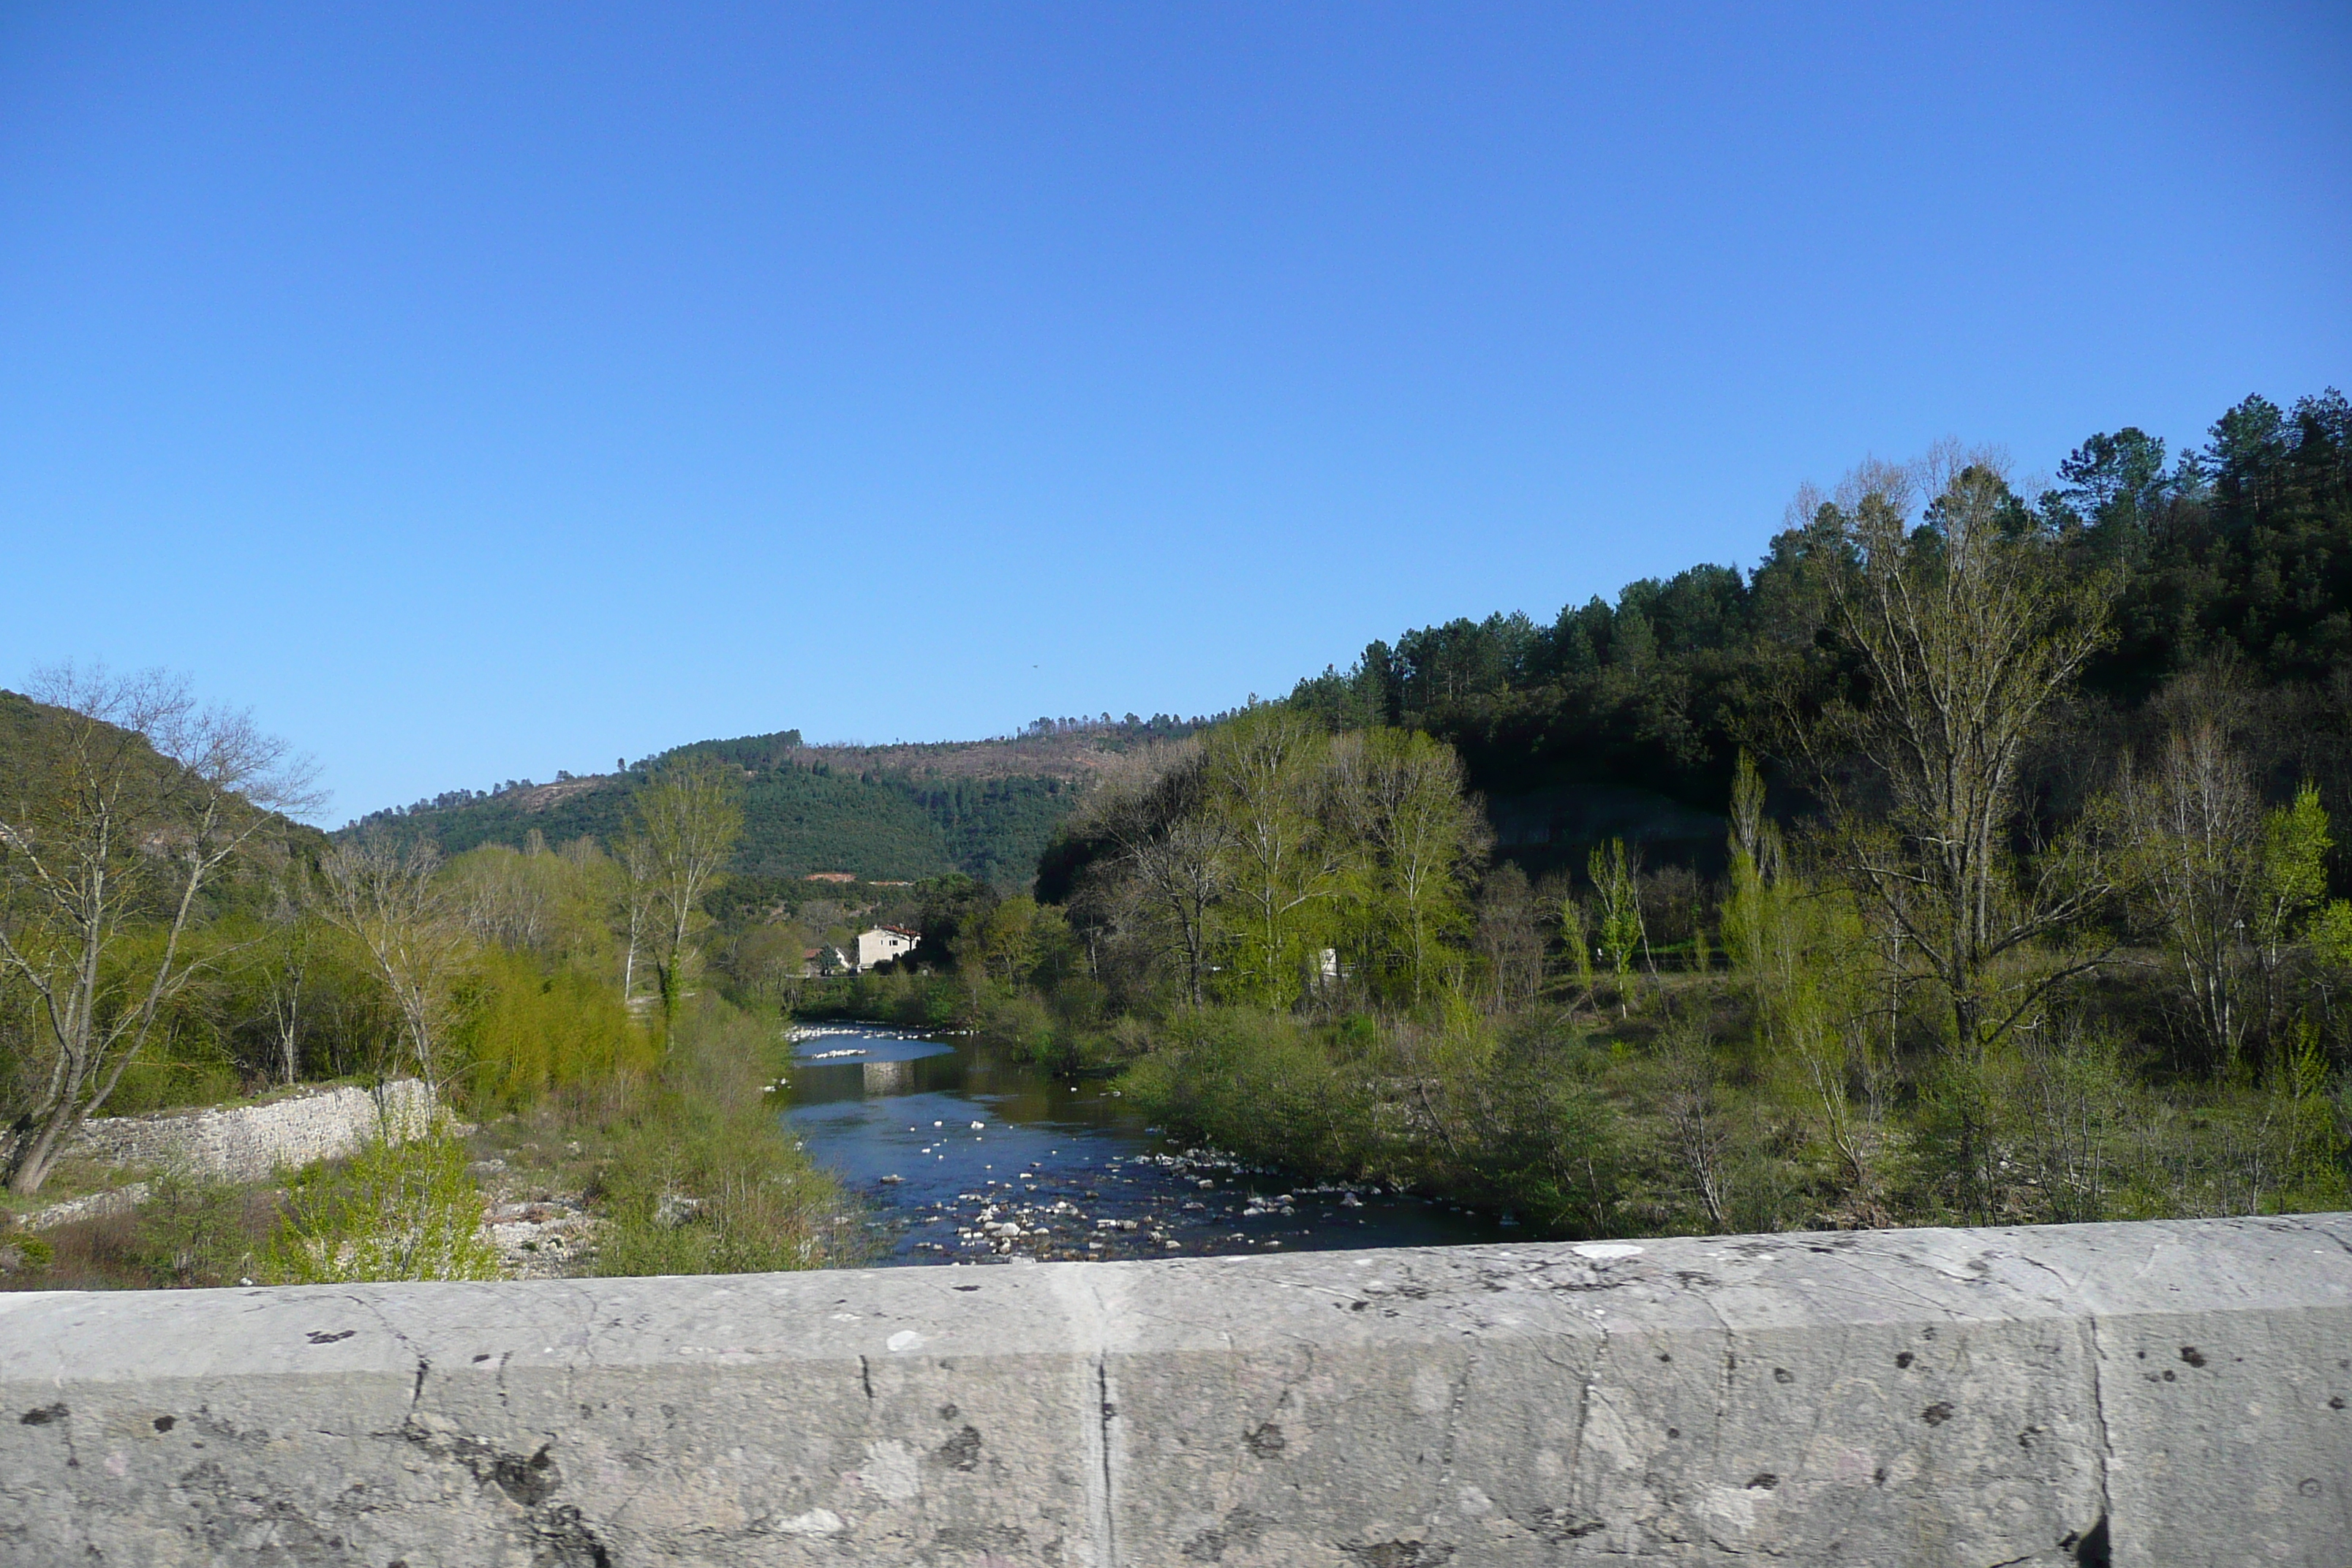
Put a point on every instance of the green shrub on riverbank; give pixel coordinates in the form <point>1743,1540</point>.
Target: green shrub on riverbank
<point>1065,1029</point>
<point>701,1177</point>
<point>393,1211</point>
<point>1592,1127</point>
<point>529,1030</point>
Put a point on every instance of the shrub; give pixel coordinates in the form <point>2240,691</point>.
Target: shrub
<point>193,1230</point>
<point>394,1211</point>
<point>703,1178</point>
<point>1264,1088</point>
<point>26,1254</point>
<point>529,1031</point>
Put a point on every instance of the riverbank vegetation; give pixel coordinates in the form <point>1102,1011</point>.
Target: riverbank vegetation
<point>172,940</point>
<point>1976,858</point>
<point>2021,900</point>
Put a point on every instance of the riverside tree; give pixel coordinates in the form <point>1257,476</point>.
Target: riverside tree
<point>391,901</point>
<point>1966,631</point>
<point>1251,861</point>
<point>126,801</point>
<point>2195,833</point>
<point>687,822</point>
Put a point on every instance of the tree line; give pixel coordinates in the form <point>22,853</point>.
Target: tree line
<point>2020,910</point>
<point>2236,553</point>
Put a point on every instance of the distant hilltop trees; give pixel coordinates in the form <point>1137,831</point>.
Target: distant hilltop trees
<point>1159,727</point>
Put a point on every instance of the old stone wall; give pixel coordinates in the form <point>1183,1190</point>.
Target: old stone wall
<point>2166,1394</point>
<point>246,1143</point>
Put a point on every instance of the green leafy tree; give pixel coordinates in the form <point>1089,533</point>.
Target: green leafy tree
<point>1269,788</point>
<point>2295,845</point>
<point>1617,886</point>
<point>1804,956</point>
<point>1576,937</point>
<point>1418,839</point>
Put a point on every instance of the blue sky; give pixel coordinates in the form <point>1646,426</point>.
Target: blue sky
<point>478,391</point>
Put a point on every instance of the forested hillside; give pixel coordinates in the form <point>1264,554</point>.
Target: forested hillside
<point>1976,858</point>
<point>985,808</point>
<point>1625,719</point>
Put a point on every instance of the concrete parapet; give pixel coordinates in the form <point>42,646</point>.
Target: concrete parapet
<point>2168,1392</point>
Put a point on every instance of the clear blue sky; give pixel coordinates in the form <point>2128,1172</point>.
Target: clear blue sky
<point>478,391</point>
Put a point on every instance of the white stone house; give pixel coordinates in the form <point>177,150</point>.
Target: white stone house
<point>880,943</point>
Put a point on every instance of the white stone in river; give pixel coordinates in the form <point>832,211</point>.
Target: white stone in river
<point>905,1340</point>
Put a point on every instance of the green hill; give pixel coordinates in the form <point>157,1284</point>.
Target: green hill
<point>986,808</point>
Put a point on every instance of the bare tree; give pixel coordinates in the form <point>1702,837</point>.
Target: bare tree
<point>688,821</point>
<point>284,973</point>
<point>639,892</point>
<point>392,902</point>
<point>1152,811</point>
<point>129,802</point>
<point>2196,827</point>
<point>1510,935</point>
<point>1698,1123</point>
<point>1966,630</point>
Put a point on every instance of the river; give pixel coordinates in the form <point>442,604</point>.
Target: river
<point>962,1156</point>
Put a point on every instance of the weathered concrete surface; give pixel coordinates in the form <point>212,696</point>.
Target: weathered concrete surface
<point>2164,1393</point>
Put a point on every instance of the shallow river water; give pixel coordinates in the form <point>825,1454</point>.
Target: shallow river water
<point>961,1156</point>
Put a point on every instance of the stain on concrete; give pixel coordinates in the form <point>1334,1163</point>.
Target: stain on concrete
<point>1239,1528</point>
<point>962,1451</point>
<point>1399,1553</point>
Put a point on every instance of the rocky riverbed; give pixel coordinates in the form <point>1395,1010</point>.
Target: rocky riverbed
<point>962,1156</point>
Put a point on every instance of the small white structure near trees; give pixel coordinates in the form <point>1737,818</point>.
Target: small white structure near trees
<point>881,943</point>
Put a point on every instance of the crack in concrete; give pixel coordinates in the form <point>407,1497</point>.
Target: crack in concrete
<point>2099,1413</point>
<point>1088,1317</point>
<point>1109,1412</point>
<point>1584,1411</point>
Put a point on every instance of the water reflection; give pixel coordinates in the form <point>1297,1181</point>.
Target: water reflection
<point>964,1156</point>
<point>885,1077</point>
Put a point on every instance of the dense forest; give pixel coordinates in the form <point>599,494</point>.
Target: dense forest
<point>1628,718</point>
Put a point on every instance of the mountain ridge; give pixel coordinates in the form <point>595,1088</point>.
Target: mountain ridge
<point>906,810</point>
